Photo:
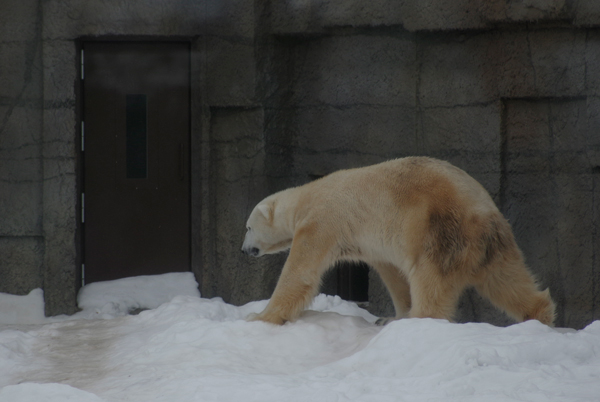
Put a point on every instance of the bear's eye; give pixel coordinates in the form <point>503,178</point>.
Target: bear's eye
<point>249,229</point>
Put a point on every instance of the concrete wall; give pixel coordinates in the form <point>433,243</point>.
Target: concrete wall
<point>283,92</point>
<point>21,164</point>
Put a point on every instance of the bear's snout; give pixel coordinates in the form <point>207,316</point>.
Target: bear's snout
<point>253,251</point>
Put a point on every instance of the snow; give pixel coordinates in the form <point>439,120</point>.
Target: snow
<point>22,309</point>
<point>130,294</point>
<point>187,348</point>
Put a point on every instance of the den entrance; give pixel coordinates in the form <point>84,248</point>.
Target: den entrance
<point>135,147</point>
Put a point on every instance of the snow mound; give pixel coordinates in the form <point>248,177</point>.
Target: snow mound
<point>125,295</point>
<point>106,300</point>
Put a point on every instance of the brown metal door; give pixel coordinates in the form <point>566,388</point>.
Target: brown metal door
<point>136,116</point>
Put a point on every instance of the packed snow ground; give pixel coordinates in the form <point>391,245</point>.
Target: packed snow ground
<point>192,349</point>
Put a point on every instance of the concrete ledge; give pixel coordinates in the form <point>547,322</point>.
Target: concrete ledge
<point>314,16</point>
<point>69,19</point>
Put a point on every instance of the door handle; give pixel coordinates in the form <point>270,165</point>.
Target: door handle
<point>181,161</point>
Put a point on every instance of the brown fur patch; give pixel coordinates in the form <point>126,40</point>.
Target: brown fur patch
<point>455,242</point>
<point>446,240</point>
<point>447,236</point>
<point>496,239</point>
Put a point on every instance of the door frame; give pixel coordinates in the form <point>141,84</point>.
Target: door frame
<point>194,153</point>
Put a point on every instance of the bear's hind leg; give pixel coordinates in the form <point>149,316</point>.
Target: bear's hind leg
<point>398,288</point>
<point>434,295</point>
<point>510,287</point>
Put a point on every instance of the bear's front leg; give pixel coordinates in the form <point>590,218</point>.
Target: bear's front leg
<point>299,280</point>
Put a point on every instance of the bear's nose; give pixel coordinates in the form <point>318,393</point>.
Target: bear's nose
<point>251,251</point>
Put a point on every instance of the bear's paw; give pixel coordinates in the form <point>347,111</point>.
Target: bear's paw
<point>269,318</point>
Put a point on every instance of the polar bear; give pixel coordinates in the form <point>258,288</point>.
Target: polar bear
<point>428,228</point>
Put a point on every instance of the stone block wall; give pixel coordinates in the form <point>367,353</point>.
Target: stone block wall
<point>287,91</point>
<point>551,197</point>
<point>505,91</point>
<point>21,239</point>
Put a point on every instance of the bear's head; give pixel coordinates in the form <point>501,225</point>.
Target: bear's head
<point>266,230</point>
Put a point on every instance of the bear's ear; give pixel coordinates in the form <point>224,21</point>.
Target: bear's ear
<point>266,210</point>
